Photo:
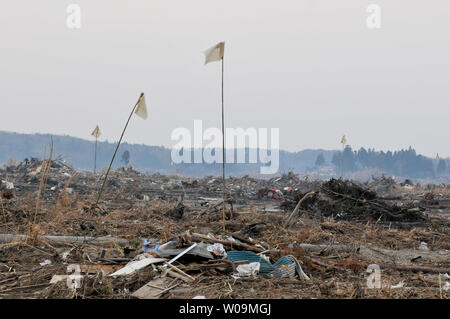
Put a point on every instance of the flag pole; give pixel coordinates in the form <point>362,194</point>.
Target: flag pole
<point>342,161</point>
<point>223,155</point>
<point>115,152</point>
<point>95,155</point>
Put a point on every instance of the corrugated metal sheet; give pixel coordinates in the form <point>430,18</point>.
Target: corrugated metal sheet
<point>283,268</point>
<point>265,267</point>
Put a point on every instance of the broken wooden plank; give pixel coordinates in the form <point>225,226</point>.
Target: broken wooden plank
<point>180,271</point>
<point>417,268</point>
<point>95,268</point>
<point>154,289</point>
<point>297,207</point>
<point>7,238</point>
<point>135,265</point>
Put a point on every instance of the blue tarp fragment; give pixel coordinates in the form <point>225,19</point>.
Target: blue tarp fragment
<point>283,268</point>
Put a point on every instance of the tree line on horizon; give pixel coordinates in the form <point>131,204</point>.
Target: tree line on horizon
<point>398,163</point>
<point>79,153</point>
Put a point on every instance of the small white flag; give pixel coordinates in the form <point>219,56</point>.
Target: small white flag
<point>215,53</point>
<point>96,132</point>
<point>344,140</point>
<point>141,109</point>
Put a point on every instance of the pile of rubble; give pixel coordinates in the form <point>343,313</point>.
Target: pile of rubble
<point>345,200</point>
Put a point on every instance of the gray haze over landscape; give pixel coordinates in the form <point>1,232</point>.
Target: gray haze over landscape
<point>311,68</point>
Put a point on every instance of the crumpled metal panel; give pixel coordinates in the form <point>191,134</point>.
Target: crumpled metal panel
<point>283,268</point>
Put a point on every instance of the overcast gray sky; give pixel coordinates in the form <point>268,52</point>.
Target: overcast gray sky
<point>311,68</point>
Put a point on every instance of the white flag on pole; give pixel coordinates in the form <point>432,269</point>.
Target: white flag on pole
<point>215,53</point>
<point>141,109</point>
<point>96,132</point>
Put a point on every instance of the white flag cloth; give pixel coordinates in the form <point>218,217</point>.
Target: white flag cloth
<point>141,109</point>
<point>215,53</point>
<point>96,132</point>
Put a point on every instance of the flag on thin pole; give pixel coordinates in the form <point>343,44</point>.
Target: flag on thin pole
<point>216,53</point>
<point>96,133</point>
<point>140,108</point>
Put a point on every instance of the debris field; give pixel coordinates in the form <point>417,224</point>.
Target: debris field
<point>154,236</point>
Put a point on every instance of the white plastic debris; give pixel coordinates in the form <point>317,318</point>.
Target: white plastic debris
<point>199,297</point>
<point>446,286</point>
<point>46,262</point>
<point>399,285</point>
<point>247,270</point>
<point>65,255</point>
<point>423,246</point>
<point>8,185</point>
<point>217,249</point>
<point>225,237</point>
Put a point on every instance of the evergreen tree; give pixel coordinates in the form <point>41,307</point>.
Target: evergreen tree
<point>336,161</point>
<point>349,160</point>
<point>125,158</point>
<point>442,167</point>
<point>320,160</point>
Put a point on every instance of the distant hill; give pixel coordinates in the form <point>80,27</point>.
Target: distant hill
<point>80,154</point>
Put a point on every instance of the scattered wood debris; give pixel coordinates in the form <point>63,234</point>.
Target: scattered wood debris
<point>156,236</point>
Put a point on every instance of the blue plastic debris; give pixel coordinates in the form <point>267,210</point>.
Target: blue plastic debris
<point>283,268</point>
<point>147,249</point>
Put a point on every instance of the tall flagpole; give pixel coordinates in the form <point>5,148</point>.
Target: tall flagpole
<point>95,155</point>
<point>216,53</point>
<point>115,152</point>
<point>223,157</point>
